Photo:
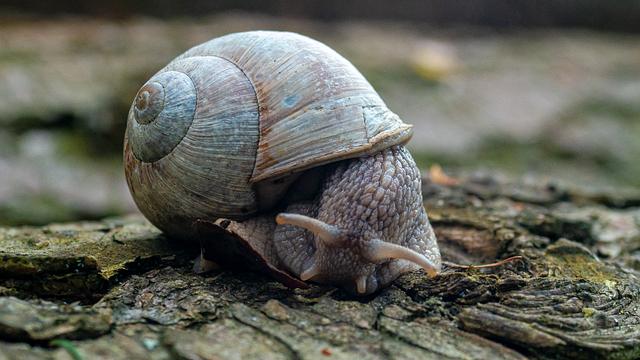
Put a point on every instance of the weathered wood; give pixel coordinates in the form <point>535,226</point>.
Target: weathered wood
<point>575,293</point>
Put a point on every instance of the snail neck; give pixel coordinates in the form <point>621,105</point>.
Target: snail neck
<point>373,200</point>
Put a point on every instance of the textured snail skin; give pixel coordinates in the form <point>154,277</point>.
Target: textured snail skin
<point>373,198</point>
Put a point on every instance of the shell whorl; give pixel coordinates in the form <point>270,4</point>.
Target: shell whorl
<point>315,106</point>
<point>163,111</point>
<point>190,153</point>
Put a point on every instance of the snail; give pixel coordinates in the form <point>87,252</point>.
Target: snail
<point>280,143</point>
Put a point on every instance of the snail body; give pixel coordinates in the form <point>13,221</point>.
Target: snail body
<point>275,125</point>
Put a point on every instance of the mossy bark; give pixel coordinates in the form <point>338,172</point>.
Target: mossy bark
<point>119,289</point>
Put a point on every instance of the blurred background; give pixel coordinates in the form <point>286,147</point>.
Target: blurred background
<point>529,88</point>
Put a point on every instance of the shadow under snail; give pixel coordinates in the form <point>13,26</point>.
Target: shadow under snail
<point>282,145</point>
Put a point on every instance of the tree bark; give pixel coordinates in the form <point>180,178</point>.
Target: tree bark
<point>118,289</point>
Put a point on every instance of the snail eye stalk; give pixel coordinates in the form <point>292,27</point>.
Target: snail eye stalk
<point>377,250</point>
<point>330,235</point>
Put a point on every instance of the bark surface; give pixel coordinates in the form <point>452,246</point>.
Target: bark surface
<point>118,289</point>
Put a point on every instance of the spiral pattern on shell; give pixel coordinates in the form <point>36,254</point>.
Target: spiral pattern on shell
<point>162,118</point>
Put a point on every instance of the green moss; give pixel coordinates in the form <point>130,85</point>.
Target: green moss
<point>581,267</point>
<point>78,261</point>
<point>588,312</point>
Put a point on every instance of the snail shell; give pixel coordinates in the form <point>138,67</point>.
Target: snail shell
<point>221,130</point>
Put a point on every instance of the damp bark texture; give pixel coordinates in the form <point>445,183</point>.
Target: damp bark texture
<point>119,289</point>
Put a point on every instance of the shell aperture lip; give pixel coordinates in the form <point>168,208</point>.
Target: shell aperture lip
<point>149,102</point>
<point>161,115</point>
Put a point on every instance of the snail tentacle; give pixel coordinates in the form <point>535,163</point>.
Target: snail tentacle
<point>361,284</point>
<point>377,250</point>
<point>310,273</point>
<point>330,235</point>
